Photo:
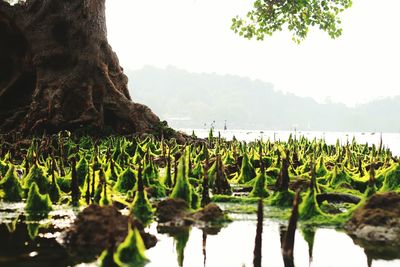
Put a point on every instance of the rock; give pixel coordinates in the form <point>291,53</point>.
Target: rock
<point>378,220</point>
<point>90,233</point>
<point>174,213</point>
<point>171,209</point>
<point>210,213</point>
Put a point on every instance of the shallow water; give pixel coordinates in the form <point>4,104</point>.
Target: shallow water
<point>39,243</point>
<point>25,243</point>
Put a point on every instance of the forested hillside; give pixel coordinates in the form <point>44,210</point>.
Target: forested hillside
<point>190,100</point>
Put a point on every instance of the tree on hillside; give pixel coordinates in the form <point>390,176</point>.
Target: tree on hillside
<point>57,70</point>
<point>269,16</point>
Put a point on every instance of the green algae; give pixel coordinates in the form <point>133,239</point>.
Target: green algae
<point>33,229</point>
<point>82,170</point>
<point>141,207</point>
<point>126,181</point>
<point>340,169</point>
<point>220,184</point>
<point>259,186</point>
<point>234,199</point>
<point>167,179</point>
<point>238,208</point>
<point>54,192</point>
<point>182,188</point>
<point>101,185</point>
<point>131,252</point>
<point>106,259</point>
<point>37,175</point>
<point>11,186</point>
<point>104,201</point>
<point>197,171</point>
<point>150,173</point>
<point>3,167</point>
<point>340,176</point>
<point>181,238</point>
<point>212,171</point>
<point>157,189</point>
<point>320,169</point>
<point>195,203</point>
<point>392,179</point>
<point>64,183</point>
<point>282,199</point>
<point>229,159</point>
<point>36,203</point>
<point>309,236</point>
<point>247,172</point>
<point>112,171</point>
<point>309,207</point>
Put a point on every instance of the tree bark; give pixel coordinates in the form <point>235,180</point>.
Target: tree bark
<point>58,72</point>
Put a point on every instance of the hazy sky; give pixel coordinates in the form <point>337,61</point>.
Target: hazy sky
<point>195,35</point>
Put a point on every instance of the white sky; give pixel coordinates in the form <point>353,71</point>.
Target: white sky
<point>195,35</point>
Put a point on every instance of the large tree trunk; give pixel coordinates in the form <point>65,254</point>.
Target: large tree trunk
<point>57,71</point>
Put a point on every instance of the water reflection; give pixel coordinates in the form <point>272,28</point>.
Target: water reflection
<point>22,245</point>
<point>309,236</point>
<point>287,260</point>
<point>181,237</point>
<point>30,243</point>
<point>378,250</point>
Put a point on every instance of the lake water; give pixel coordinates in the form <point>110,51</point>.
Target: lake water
<point>230,246</point>
<point>234,244</point>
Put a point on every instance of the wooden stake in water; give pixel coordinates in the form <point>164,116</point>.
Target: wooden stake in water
<point>282,183</point>
<point>204,247</point>
<point>140,179</point>
<point>175,170</point>
<point>53,170</point>
<point>258,240</point>
<point>205,196</point>
<point>313,182</point>
<point>288,242</point>
<point>262,169</point>
<point>74,184</point>
<point>371,181</point>
<point>94,168</point>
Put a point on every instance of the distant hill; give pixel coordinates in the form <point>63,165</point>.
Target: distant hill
<point>191,100</point>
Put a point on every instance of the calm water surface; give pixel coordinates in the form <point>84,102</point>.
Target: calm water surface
<point>24,244</point>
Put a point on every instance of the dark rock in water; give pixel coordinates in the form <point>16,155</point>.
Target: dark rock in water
<point>171,209</point>
<point>379,250</point>
<point>209,213</point>
<point>175,212</point>
<point>378,219</point>
<point>337,198</point>
<point>90,233</point>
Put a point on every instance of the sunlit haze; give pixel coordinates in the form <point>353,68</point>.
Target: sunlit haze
<point>194,35</point>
